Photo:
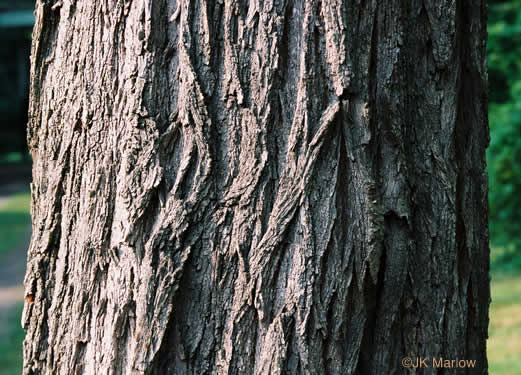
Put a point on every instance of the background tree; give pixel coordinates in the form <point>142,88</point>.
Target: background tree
<point>16,21</point>
<point>257,187</point>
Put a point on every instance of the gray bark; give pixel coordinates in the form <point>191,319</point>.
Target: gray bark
<point>257,187</point>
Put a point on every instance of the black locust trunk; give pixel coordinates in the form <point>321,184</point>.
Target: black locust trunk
<point>257,187</point>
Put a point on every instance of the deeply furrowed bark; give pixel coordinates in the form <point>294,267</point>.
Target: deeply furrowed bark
<point>257,187</point>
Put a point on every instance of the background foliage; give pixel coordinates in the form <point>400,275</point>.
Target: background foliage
<point>504,153</point>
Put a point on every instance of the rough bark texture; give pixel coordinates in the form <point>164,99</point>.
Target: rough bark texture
<point>257,187</point>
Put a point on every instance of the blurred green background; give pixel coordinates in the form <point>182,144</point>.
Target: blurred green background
<point>504,153</point>
<point>504,168</point>
<point>503,158</point>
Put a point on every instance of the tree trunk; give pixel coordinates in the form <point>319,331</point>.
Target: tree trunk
<point>257,187</point>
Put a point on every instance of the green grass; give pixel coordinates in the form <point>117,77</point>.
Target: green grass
<point>14,220</point>
<point>11,344</point>
<point>504,343</point>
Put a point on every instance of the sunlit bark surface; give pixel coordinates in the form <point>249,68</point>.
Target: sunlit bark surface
<point>257,187</point>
